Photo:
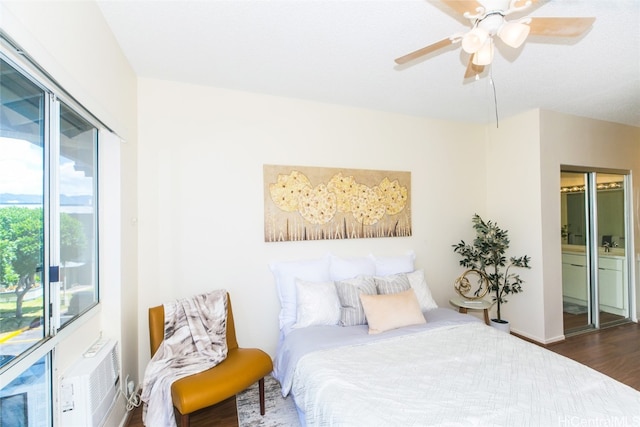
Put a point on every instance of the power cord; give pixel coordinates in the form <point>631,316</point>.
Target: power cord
<point>133,401</point>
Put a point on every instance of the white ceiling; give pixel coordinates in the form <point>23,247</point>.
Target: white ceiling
<point>343,51</point>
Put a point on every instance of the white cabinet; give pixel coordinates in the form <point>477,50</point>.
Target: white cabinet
<point>611,275</point>
<point>574,278</point>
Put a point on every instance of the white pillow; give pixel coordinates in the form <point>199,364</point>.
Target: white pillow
<point>391,311</point>
<point>318,304</point>
<point>285,274</point>
<point>393,265</point>
<point>419,285</point>
<point>348,268</point>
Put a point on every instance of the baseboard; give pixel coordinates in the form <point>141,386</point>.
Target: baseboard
<point>537,340</point>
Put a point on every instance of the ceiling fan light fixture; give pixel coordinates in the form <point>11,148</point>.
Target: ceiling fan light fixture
<point>484,56</point>
<point>488,25</point>
<point>514,33</point>
<point>474,40</point>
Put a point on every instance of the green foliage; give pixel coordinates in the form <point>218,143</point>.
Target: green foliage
<point>7,255</point>
<point>21,243</point>
<point>21,247</point>
<point>487,255</point>
<point>72,238</point>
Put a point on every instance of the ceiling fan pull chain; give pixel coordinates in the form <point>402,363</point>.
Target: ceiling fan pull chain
<point>495,98</point>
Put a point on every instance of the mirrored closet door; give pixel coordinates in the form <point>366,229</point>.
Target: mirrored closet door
<point>595,278</point>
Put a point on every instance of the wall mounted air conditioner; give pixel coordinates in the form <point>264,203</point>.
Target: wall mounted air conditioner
<point>89,388</point>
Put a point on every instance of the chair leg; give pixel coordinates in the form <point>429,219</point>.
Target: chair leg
<point>261,389</point>
<point>184,420</point>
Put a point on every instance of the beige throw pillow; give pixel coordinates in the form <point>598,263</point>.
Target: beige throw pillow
<point>386,312</point>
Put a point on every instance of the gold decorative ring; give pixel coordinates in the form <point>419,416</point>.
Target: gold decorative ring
<point>464,287</point>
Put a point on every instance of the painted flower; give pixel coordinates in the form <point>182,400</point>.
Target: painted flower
<point>367,208</point>
<point>345,188</point>
<point>286,191</point>
<point>317,205</point>
<point>392,195</point>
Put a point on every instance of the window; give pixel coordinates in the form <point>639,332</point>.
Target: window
<point>48,235</point>
<point>78,219</point>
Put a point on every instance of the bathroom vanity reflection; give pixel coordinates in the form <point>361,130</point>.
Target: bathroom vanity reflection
<point>581,206</point>
<point>612,274</point>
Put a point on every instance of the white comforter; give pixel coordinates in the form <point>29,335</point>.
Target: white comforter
<point>456,375</point>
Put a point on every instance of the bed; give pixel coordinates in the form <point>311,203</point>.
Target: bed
<point>449,369</point>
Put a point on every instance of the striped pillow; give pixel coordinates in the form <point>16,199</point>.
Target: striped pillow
<point>392,284</point>
<point>351,311</point>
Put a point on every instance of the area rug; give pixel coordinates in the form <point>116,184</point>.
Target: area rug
<point>279,411</point>
<point>574,308</point>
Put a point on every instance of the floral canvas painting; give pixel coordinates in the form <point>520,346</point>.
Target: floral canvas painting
<point>314,203</point>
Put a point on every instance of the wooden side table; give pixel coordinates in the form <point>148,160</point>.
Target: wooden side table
<point>477,304</point>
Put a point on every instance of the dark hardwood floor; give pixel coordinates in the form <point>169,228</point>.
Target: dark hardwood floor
<point>613,351</point>
<point>575,322</point>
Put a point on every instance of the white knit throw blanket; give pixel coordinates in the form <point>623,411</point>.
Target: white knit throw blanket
<point>195,339</point>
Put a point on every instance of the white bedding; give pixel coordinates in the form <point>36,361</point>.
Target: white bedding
<point>300,342</point>
<point>448,373</point>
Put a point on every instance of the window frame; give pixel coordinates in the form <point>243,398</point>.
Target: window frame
<point>54,332</point>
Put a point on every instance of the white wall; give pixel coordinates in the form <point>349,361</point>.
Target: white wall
<point>513,201</point>
<point>201,192</point>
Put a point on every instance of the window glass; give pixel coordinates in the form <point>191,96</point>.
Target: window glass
<point>78,219</point>
<point>21,213</point>
<point>26,400</point>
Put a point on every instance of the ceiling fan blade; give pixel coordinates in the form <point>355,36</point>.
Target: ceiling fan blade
<point>473,69</point>
<point>521,3</point>
<point>424,51</point>
<point>462,6</point>
<point>560,27</point>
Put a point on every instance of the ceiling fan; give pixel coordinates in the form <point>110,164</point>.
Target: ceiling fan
<point>487,25</point>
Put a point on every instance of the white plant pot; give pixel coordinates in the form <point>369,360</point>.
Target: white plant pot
<point>501,325</point>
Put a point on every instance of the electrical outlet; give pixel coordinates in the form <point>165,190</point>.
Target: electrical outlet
<point>130,386</point>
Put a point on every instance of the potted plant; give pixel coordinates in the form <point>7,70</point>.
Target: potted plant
<point>487,255</point>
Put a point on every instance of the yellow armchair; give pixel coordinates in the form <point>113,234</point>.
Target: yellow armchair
<point>242,368</point>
